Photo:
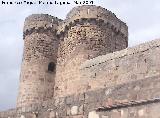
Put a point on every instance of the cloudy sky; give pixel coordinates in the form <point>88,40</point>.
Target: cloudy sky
<point>142,17</point>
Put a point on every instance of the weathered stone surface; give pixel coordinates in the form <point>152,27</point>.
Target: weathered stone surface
<point>86,35</point>
<point>121,105</point>
<point>52,114</point>
<point>123,66</point>
<point>93,114</point>
<point>75,69</point>
<point>74,110</point>
<point>40,54</point>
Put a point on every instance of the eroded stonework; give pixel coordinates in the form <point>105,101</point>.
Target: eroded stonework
<point>81,67</point>
<point>62,46</point>
<point>40,50</point>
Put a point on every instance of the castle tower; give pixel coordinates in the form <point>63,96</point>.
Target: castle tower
<point>39,59</point>
<point>87,32</point>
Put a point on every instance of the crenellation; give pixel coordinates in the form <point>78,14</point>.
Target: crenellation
<point>80,67</point>
<point>39,30</point>
<point>85,36</point>
<point>40,20</point>
<point>116,28</point>
<point>39,59</point>
<point>95,13</point>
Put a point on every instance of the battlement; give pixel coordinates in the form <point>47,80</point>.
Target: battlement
<point>93,13</point>
<point>39,59</point>
<point>86,33</point>
<point>81,67</point>
<point>37,22</point>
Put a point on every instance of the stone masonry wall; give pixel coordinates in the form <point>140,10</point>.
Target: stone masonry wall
<point>120,67</point>
<point>88,32</point>
<point>71,58</point>
<point>93,12</point>
<point>142,111</point>
<point>138,99</point>
<point>40,49</point>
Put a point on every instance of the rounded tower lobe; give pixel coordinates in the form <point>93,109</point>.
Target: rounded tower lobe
<point>39,59</point>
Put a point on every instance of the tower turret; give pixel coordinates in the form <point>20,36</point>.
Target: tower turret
<point>39,59</point>
<point>87,32</point>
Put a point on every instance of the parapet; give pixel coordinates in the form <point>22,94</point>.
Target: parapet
<point>40,21</point>
<point>92,12</point>
<point>131,51</point>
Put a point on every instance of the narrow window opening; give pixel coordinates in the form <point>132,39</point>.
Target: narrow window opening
<point>51,67</point>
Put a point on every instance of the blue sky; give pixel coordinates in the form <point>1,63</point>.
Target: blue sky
<point>141,16</point>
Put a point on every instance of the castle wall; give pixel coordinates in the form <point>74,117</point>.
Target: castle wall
<point>138,99</point>
<point>40,52</point>
<point>82,61</point>
<point>120,67</point>
<point>143,111</point>
<point>116,68</point>
<point>88,32</point>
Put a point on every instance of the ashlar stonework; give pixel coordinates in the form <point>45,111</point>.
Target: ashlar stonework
<point>81,67</point>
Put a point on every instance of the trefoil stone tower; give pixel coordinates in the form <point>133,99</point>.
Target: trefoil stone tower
<point>55,49</point>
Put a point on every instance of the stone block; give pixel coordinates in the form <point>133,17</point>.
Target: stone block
<point>74,110</point>
<point>93,114</point>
